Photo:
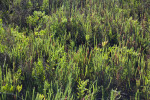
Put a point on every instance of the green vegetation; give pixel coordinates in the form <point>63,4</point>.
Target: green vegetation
<point>74,50</point>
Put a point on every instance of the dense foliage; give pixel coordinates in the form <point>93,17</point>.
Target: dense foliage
<point>75,49</point>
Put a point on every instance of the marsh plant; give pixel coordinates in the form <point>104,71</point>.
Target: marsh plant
<point>74,50</point>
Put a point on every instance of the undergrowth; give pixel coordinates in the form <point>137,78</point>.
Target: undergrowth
<point>75,50</point>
